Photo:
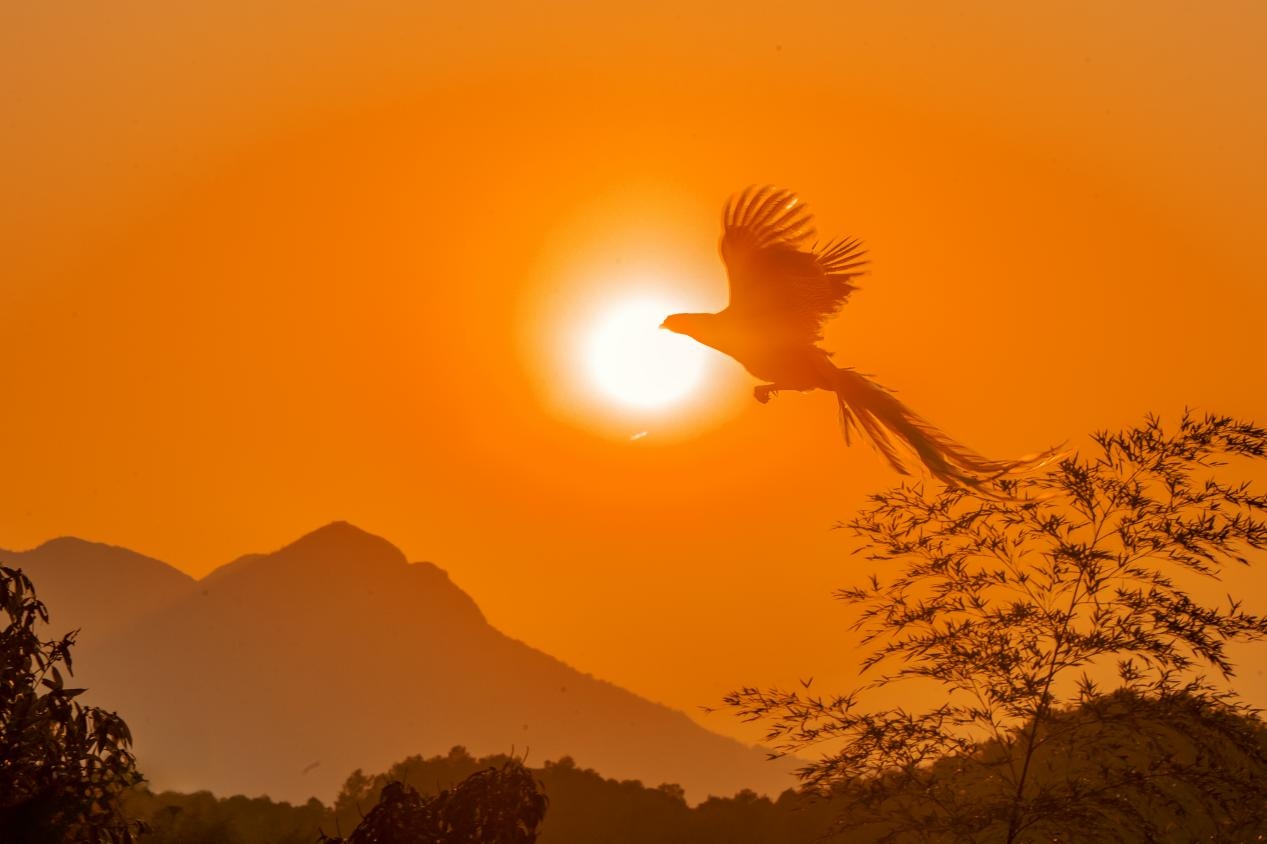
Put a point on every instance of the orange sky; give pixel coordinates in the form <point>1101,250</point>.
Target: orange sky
<point>268,268</point>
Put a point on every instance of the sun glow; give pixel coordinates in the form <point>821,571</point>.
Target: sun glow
<point>632,361</point>
<point>609,273</point>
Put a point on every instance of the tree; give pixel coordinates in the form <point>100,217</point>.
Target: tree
<point>494,806</point>
<point>1021,608</point>
<point>62,764</point>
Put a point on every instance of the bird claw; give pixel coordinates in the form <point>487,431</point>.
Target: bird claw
<point>764,393</point>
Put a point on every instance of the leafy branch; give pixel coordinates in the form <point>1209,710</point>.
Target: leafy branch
<point>1019,603</point>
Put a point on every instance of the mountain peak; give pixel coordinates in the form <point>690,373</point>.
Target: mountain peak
<point>69,543</point>
<point>91,556</point>
<point>73,546</point>
<point>95,586</point>
<point>343,541</point>
<point>339,548</point>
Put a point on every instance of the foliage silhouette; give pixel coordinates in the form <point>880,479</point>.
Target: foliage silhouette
<point>202,818</point>
<point>1014,607</point>
<point>501,805</point>
<point>584,807</point>
<point>62,765</point>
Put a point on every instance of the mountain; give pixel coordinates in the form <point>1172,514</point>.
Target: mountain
<point>96,587</point>
<point>281,673</point>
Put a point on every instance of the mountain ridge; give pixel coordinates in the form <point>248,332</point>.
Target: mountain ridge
<point>94,586</point>
<point>335,650</point>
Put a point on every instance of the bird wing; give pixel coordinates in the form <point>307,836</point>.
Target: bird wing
<point>773,274</point>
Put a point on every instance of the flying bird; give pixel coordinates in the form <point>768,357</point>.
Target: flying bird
<point>782,289</point>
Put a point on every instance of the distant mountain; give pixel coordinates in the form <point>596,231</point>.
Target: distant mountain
<point>97,587</point>
<point>281,673</point>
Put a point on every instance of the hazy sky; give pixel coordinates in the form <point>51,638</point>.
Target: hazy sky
<point>270,265</point>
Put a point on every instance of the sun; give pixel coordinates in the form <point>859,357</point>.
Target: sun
<point>631,361</point>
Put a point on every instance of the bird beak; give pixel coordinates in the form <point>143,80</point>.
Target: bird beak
<point>663,326</point>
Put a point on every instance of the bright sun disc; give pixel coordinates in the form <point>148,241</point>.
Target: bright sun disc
<point>638,364</point>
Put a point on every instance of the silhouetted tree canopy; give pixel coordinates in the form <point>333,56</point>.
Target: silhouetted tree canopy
<point>1078,688</point>
<point>584,807</point>
<point>202,818</point>
<point>497,805</point>
<point>62,764</point>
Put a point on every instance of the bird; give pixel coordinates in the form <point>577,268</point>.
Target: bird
<point>783,287</point>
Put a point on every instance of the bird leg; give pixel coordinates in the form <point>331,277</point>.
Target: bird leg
<point>764,392</point>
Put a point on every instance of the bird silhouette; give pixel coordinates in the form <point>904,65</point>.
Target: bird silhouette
<point>781,293</point>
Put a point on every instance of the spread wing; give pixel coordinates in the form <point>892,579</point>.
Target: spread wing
<point>773,274</point>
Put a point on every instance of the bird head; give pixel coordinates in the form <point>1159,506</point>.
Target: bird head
<point>700,327</point>
<point>686,324</point>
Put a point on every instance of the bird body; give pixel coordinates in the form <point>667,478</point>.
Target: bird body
<point>748,339</point>
<point>781,292</point>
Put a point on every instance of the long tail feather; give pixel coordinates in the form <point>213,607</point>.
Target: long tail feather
<point>879,415</point>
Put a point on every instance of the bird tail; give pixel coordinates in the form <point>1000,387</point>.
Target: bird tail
<point>873,410</point>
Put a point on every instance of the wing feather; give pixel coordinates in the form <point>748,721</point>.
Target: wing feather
<point>773,274</point>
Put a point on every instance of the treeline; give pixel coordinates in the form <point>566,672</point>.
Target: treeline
<point>583,807</point>
<point>1149,770</point>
